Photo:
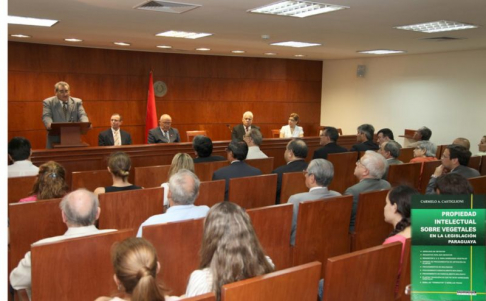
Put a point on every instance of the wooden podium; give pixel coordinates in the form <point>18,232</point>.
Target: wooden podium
<point>69,133</point>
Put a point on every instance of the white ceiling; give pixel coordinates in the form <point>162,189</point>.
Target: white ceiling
<point>367,24</point>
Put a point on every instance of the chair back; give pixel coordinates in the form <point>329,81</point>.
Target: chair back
<point>478,184</point>
<point>475,162</point>
<point>370,228</point>
<point>406,154</point>
<point>296,283</point>
<point>427,171</point>
<point>204,297</point>
<point>253,192</point>
<point>191,134</point>
<point>272,225</point>
<point>19,188</point>
<point>264,164</point>
<point>211,193</point>
<point>482,170</point>
<point>292,183</point>
<point>151,176</point>
<point>369,274</point>
<point>405,174</point>
<point>91,179</point>
<point>177,245</point>
<point>204,171</point>
<point>344,164</point>
<point>276,133</point>
<point>322,230</point>
<point>404,273</point>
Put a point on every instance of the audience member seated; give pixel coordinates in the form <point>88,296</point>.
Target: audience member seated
<point>119,165</point>
<point>454,160</point>
<point>295,154</point>
<point>236,153</point>
<point>365,139</point>
<point>80,210</point>
<point>453,183</point>
<point>230,251</point>
<point>318,177</point>
<point>385,135</point>
<point>241,129</point>
<point>462,141</point>
<point>136,267</point>
<point>369,171</point>
<point>49,184</point>
<point>203,146</point>
<point>424,152</point>
<point>390,150</point>
<point>254,139</point>
<point>422,134</point>
<point>183,191</point>
<point>397,213</point>
<point>329,138</point>
<point>19,152</point>
<point>179,162</point>
<point>292,129</point>
<point>482,146</point>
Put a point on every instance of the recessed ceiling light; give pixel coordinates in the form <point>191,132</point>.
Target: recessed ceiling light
<point>202,49</point>
<point>437,26</point>
<point>121,43</point>
<point>238,51</point>
<point>381,51</point>
<point>270,53</point>
<point>164,46</point>
<point>300,9</point>
<point>299,55</point>
<point>31,21</point>
<point>20,36</point>
<point>183,34</point>
<point>295,44</point>
<point>73,40</point>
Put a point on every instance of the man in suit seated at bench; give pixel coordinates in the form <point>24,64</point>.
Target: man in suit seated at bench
<point>203,146</point>
<point>390,150</point>
<point>365,139</point>
<point>318,177</point>
<point>329,138</point>
<point>295,154</point>
<point>385,135</point>
<point>80,210</point>
<point>183,191</point>
<point>114,135</point>
<point>369,170</point>
<point>455,159</point>
<point>236,154</point>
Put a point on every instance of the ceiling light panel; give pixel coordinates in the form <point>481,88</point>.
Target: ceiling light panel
<point>31,21</point>
<point>295,44</point>
<point>438,26</point>
<point>299,9</point>
<point>183,34</point>
<point>73,40</point>
<point>121,43</point>
<point>20,36</point>
<point>381,51</point>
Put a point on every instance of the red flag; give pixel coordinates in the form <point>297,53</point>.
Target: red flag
<point>151,117</point>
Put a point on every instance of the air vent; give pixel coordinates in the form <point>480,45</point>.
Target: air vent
<point>166,7</point>
<point>442,39</point>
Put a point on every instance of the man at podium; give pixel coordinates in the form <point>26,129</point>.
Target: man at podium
<point>62,108</point>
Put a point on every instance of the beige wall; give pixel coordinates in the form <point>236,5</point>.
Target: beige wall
<point>444,91</point>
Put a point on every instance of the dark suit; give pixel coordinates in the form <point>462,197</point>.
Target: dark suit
<point>209,159</point>
<point>239,131</point>
<point>330,148</point>
<point>298,165</point>
<point>105,138</point>
<point>155,136</point>
<point>237,169</point>
<point>466,172</point>
<point>53,112</point>
<point>367,145</point>
<point>363,186</point>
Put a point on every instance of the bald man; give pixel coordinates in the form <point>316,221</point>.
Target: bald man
<point>80,210</point>
<point>164,133</point>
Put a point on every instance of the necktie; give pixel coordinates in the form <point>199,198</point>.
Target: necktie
<point>65,109</point>
<point>246,129</point>
<point>116,135</point>
<point>167,135</point>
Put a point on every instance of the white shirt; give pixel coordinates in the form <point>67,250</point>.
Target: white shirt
<point>288,133</point>
<point>22,168</point>
<point>174,214</point>
<point>116,133</point>
<point>254,152</point>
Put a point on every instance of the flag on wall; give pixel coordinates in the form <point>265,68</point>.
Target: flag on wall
<point>151,117</point>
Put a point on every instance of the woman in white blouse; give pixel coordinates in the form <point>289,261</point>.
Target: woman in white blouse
<point>292,130</point>
<point>230,251</point>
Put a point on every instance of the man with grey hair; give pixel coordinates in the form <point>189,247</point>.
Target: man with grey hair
<point>364,137</point>
<point>183,192</point>
<point>254,139</point>
<point>318,176</point>
<point>390,150</point>
<point>422,134</point>
<point>61,108</point>
<point>241,129</point>
<point>80,210</point>
<point>369,170</point>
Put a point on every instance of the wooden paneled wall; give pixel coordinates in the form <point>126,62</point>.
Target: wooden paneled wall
<point>204,92</point>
